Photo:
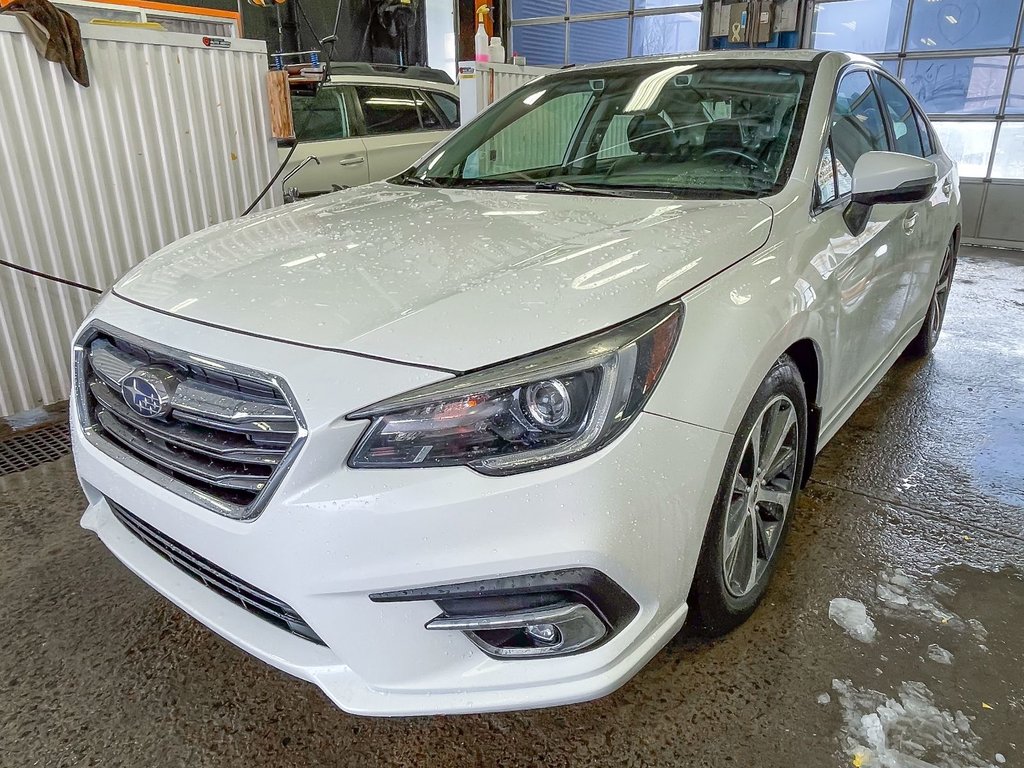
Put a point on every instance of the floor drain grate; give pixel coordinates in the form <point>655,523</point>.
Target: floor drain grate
<point>24,451</point>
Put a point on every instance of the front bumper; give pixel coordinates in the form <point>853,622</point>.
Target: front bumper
<point>331,536</point>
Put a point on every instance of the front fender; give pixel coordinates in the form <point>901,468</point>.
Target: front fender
<point>736,326</point>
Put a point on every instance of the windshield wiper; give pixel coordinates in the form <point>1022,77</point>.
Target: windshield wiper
<point>597,189</point>
<point>417,181</point>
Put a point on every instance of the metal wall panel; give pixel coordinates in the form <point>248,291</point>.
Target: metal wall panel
<point>171,137</point>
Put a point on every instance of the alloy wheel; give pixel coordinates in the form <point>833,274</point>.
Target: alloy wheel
<point>941,294</point>
<point>762,492</point>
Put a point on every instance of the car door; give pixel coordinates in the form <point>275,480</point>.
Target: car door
<point>399,125</point>
<point>323,128</point>
<point>925,224</point>
<point>866,272</point>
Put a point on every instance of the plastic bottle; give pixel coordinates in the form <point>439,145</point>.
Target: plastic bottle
<point>496,51</point>
<point>481,41</point>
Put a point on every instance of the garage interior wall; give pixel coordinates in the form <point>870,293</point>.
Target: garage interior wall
<point>171,137</point>
<point>962,62</point>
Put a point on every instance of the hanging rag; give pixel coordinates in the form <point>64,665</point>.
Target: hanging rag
<point>55,34</point>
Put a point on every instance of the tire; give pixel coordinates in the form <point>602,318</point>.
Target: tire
<point>923,344</point>
<point>730,581</point>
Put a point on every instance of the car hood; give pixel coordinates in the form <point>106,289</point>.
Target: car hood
<point>450,278</point>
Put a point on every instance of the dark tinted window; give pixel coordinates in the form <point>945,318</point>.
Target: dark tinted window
<point>320,117</point>
<point>448,105</point>
<point>902,119</point>
<point>389,110</point>
<point>926,134</point>
<point>857,126</point>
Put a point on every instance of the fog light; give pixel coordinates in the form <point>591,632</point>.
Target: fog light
<point>543,633</point>
<point>552,630</point>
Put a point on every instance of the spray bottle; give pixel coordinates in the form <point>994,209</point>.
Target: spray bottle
<point>482,41</point>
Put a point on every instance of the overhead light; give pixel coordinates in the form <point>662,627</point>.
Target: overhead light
<point>951,19</point>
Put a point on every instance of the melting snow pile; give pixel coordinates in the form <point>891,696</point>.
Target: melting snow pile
<point>904,732</point>
<point>898,593</point>
<point>939,654</point>
<point>852,616</point>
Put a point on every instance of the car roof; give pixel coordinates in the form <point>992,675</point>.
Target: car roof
<point>408,82</point>
<point>772,55</point>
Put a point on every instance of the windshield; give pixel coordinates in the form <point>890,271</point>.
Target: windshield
<point>665,128</point>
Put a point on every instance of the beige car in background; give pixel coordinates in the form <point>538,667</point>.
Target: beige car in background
<point>368,123</point>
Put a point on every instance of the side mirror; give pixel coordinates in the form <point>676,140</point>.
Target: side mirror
<point>887,177</point>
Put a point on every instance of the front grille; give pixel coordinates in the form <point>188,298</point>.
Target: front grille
<point>225,436</point>
<point>254,600</point>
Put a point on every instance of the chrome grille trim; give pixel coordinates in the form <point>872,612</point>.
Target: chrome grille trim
<point>230,587</point>
<point>227,441</point>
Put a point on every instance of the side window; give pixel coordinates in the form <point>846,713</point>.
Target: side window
<point>857,126</point>
<point>321,117</point>
<point>448,106</point>
<point>429,119</point>
<point>927,146</point>
<point>389,110</point>
<point>825,187</point>
<point>901,118</point>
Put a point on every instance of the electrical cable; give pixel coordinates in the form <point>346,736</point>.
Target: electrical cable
<point>45,276</point>
<point>272,181</point>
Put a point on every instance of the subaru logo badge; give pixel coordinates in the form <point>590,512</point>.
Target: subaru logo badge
<point>148,391</point>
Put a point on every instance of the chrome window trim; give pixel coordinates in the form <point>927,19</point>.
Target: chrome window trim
<point>246,513</point>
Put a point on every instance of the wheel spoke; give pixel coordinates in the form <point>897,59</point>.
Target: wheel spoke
<point>774,497</point>
<point>755,550</point>
<point>784,459</point>
<point>782,420</point>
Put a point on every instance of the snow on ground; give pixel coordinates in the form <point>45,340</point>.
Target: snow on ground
<point>908,731</point>
<point>852,616</point>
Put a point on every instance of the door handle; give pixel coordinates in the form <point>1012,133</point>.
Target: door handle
<point>909,222</point>
<point>947,187</point>
<point>352,161</point>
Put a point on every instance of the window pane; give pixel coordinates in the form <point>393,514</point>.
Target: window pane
<point>597,40</point>
<point>926,137</point>
<point>968,144</point>
<point>1009,162</point>
<point>388,110</point>
<point>428,117</point>
<point>892,66</point>
<point>960,26</point>
<point>532,9</point>
<point>320,117</point>
<point>857,126</point>
<point>541,44</point>
<point>901,117</point>
<point>577,7</point>
<point>1015,104</point>
<point>550,128</point>
<point>967,86</point>
<point>640,5</point>
<point>826,178</point>
<point>448,105</point>
<point>862,26</point>
<point>669,33</point>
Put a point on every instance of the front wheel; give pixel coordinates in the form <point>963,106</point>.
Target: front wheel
<point>924,342</point>
<point>755,501</point>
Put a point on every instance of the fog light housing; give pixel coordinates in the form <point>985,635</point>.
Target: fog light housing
<point>550,613</point>
<point>554,630</point>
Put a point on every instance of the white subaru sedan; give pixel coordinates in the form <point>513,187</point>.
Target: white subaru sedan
<point>486,435</point>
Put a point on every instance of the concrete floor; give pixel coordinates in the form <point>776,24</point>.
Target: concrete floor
<point>96,669</point>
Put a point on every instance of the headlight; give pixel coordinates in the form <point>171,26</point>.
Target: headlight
<point>544,409</point>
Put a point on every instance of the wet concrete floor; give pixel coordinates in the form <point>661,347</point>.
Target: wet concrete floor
<point>916,509</point>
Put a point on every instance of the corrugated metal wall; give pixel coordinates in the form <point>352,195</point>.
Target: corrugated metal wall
<point>171,137</point>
